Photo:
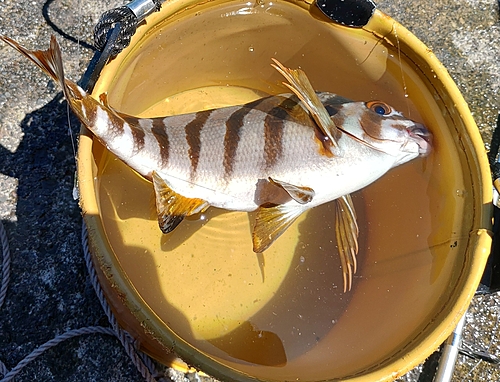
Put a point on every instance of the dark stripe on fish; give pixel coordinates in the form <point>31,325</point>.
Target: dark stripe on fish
<point>290,109</point>
<point>255,104</point>
<point>274,125</point>
<point>115,125</point>
<point>193,131</point>
<point>332,110</point>
<point>161,136</point>
<point>138,135</point>
<point>232,137</point>
<point>372,124</point>
<point>267,104</point>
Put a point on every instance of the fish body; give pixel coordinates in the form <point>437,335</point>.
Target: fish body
<point>280,155</point>
<point>220,155</point>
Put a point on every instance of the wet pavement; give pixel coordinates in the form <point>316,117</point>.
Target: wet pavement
<point>49,291</point>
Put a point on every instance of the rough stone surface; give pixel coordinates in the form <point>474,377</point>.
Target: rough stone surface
<point>50,291</point>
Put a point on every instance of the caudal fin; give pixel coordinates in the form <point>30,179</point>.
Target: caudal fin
<point>50,60</point>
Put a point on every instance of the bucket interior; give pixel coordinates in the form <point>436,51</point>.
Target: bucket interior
<point>283,315</point>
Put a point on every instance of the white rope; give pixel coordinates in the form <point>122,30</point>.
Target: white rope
<point>53,342</point>
<point>125,338</point>
<point>144,363</point>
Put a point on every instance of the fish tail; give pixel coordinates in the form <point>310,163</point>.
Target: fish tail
<point>50,60</point>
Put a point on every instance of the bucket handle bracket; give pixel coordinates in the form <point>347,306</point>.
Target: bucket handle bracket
<point>352,13</point>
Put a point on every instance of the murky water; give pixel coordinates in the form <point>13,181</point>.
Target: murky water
<point>283,314</point>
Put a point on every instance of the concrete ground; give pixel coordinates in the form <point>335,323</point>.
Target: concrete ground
<point>49,291</point>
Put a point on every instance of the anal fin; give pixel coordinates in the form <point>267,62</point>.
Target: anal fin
<point>347,231</point>
<point>300,194</point>
<point>172,207</point>
<point>272,222</point>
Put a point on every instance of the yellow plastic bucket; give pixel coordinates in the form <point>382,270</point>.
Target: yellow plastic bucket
<point>201,293</point>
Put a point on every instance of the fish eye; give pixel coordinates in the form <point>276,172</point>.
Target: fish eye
<point>379,107</point>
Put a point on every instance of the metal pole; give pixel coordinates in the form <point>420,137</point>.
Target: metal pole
<point>450,352</point>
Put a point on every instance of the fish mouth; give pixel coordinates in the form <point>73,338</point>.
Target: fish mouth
<point>422,137</point>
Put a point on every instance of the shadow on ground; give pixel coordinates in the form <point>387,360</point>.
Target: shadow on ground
<point>49,291</point>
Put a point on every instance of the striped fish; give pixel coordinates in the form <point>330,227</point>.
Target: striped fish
<point>280,155</point>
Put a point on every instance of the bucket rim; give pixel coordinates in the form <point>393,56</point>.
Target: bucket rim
<point>394,33</point>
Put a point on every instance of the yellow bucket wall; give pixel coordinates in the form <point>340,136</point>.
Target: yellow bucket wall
<point>282,315</point>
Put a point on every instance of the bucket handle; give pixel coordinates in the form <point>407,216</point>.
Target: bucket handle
<point>129,16</point>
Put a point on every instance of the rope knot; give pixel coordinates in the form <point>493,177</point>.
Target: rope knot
<point>128,17</point>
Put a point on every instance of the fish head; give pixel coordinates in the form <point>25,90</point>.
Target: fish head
<point>381,127</point>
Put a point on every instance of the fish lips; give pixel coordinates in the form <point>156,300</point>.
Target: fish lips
<point>422,137</point>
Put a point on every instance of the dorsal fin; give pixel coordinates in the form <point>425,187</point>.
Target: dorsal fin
<point>300,85</point>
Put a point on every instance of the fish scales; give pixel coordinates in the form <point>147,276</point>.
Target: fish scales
<point>219,163</point>
<point>164,148</point>
<point>245,157</point>
<point>280,155</point>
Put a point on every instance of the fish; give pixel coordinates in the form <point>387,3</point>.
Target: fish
<point>279,155</point>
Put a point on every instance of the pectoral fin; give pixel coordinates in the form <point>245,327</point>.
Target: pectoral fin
<point>300,194</point>
<point>270,223</point>
<point>300,85</point>
<point>172,207</point>
<point>346,229</point>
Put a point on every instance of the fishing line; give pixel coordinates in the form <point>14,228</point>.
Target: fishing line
<point>79,57</point>
<point>401,68</point>
<point>79,46</point>
<point>70,131</point>
<point>379,41</point>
